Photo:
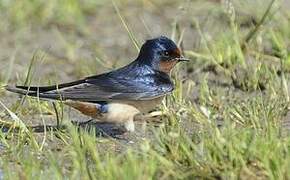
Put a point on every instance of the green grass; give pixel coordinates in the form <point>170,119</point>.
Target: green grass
<point>227,118</point>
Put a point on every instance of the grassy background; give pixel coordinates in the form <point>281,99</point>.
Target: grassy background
<point>227,119</point>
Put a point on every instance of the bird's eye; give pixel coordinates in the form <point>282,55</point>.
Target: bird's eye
<point>166,53</point>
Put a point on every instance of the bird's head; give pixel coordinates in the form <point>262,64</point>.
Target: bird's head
<point>161,54</point>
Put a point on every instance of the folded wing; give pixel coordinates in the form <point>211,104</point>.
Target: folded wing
<point>103,88</point>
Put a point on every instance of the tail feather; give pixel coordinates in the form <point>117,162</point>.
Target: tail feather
<point>42,89</point>
<point>37,93</point>
<point>18,90</point>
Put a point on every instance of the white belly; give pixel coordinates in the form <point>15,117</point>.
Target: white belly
<point>120,112</point>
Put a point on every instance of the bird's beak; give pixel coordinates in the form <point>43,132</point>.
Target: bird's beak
<point>182,58</point>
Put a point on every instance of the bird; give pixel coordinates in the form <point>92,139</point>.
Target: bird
<point>119,95</point>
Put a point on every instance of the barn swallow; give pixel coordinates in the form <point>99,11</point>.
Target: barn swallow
<point>119,95</point>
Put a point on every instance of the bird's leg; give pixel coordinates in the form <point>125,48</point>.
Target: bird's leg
<point>129,125</point>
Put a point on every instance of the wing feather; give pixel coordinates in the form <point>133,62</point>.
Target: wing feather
<point>105,87</point>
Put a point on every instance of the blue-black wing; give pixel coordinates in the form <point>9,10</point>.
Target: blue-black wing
<point>116,85</point>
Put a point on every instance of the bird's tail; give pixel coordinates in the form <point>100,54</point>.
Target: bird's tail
<point>26,91</point>
<point>17,90</point>
<point>41,91</point>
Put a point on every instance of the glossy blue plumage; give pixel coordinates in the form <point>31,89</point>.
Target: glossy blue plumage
<point>142,79</point>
